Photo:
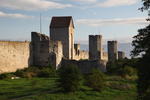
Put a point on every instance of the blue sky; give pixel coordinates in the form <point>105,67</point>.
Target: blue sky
<point>114,19</point>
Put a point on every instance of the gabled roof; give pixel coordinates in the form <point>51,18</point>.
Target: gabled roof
<point>61,21</point>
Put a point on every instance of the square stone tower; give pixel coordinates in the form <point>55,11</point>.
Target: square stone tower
<point>40,49</point>
<point>95,47</point>
<point>62,29</point>
<point>121,55</point>
<point>112,50</point>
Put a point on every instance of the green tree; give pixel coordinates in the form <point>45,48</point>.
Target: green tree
<point>69,78</point>
<point>95,80</point>
<point>146,6</point>
<point>141,44</point>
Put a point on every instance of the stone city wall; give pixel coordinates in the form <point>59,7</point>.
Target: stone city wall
<point>86,66</point>
<point>56,53</point>
<point>14,55</point>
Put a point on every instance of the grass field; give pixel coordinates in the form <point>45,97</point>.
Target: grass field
<point>45,89</point>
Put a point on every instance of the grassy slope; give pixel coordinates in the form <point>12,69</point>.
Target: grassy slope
<point>45,89</point>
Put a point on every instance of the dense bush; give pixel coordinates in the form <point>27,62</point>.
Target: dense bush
<point>36,72</point>
<point>129,71</point>
<point>122,67</point>
<point>19,73</point>
<point>47,72</point>
<point>95,80</point>
<point>6,76</point>
<point>69,78</point>
<point>27,72</point>
<point>119,86</point>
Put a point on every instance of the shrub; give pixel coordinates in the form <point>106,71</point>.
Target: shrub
<point>47,72</point>
<point>6,75</point>
<point>147,95</point>
<point>69,78</point>
<point>95,80</point>
<point>129,71</point>
<point>19,73</point>
<point>119,86</point>
<point>27,72</point>
<point>117,67</point>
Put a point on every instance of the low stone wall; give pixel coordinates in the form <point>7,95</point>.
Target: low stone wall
<point>81,55</point>
<point>14,55</point>
<point>86,66</point>
<point>84,54</point>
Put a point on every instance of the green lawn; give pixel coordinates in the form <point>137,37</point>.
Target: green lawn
<point>45,89</point>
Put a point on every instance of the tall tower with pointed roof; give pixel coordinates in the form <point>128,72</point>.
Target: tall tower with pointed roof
<point>62,29</point>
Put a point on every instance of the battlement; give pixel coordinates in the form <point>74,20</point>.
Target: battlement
<point>95,37</point>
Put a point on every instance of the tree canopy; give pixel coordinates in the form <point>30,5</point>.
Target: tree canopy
<point>141,44</point>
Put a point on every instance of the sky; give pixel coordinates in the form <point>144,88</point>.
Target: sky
<point>113,19</point>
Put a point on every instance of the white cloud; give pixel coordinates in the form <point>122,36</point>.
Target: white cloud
<point>85,1</point>
<point>112,3</point>
<point>32,4</point>
<point>119,21</point>
<point>16,15</point>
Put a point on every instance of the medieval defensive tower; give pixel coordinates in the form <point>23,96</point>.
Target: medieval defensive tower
<point>121,55</point>
<point>95,47</point>
<point>40,49</point>
<point>112,50</point>
<point>62,29</point>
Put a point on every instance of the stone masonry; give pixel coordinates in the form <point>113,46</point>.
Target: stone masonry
<point>14,55</point>
<point>57,50</point>
<point>121,55</point>
<point>56,54</point>
<point>95,47</point>
<point>40,49</point>
<point>112,50</point>
<point>62,29</point>
<point>80,54</point>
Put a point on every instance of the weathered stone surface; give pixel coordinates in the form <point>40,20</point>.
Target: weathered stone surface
<point>121,55</point>
<point>86,66</point>
<point>112,50</point>
<point>80,54</point>
<point>14,55</point>
<point>62,29</point>
<point>95,47</point>
<point>105,56</point>
<point>56,53</point>
<point>40,49</point>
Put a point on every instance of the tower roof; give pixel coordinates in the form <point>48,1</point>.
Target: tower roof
<point>61,22</point>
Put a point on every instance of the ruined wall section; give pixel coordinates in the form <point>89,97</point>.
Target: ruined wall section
<point>40,49</point>
<point>14,55</point>
<point>112,50</point>
<point>84,55</point>
<point>76,49</point>
<point>105,56</point>
<point>80,54</point>
<point>86,66</point>
<point>56,53</point>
